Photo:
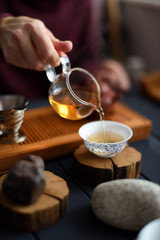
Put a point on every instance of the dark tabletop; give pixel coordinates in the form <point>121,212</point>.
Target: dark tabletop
<point>79,221</point>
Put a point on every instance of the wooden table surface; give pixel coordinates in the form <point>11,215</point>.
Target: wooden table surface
<point>79,221</point>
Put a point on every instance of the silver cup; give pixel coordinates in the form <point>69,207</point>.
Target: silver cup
<point>12,108</point>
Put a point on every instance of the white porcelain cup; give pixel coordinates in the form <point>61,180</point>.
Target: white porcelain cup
<point>151,231</point>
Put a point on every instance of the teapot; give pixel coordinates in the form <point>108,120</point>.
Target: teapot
<point>75,93</point>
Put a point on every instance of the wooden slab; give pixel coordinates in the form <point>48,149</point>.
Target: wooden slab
<point>150,85</point>
<point>93,170</point>
<point>47,210</point>
<point>49,135</point>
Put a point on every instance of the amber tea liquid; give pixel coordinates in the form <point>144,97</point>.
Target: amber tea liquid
<point>105,137</point>
<point>68,107</point>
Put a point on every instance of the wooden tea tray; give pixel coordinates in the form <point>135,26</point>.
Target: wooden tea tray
<point>49,135</point>
<point>150,84</point>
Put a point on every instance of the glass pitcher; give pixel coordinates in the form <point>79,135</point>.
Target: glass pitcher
<point>75,93</point>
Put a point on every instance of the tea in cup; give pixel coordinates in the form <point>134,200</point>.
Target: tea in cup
<point>105,138</point>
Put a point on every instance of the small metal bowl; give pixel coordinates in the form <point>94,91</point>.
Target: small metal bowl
<point>12,109</point>
<point>105,149</point>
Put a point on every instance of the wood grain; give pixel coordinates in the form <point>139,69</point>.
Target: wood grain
<point>51,206</point>
<point>49,135</point>
<point>150,85</point>
<point>93,170</point>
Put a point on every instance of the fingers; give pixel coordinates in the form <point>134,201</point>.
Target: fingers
<point>108,96</point>
<point>113,81</point>
<point>13,52</point>
<point>61,46</point>
<point>29,54</point>
<point>27,43</point>
<point>42,43</point>
<point>116,75</point>
<point>48,47</point>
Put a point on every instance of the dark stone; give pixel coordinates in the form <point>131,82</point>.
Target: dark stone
<point>36,160</point>
<point>25,182</point>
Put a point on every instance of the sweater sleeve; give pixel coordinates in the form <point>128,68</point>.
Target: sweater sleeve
<point>90,40</point>
<point>5,15</point>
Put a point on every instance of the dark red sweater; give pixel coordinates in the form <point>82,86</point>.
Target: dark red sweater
<point>75,20</point>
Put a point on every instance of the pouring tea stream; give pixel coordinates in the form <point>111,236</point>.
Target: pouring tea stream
<point>75,94</point>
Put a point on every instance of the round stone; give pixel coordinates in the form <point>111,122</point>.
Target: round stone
<point>126,203</point>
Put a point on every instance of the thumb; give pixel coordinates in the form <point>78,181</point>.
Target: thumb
<point>63,46</point>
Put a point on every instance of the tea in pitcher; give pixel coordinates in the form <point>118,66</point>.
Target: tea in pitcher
<point>68,107</point>
<point>75,93</point>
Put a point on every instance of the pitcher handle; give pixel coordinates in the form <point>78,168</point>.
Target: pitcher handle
<point>66,66</point>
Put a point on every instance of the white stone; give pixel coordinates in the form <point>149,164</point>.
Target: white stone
<point>126,203</point>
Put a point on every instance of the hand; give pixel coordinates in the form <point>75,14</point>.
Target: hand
<point>27,43</point>
<point>113,81</point>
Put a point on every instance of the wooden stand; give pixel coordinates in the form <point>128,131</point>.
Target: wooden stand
<point>46,140</point>
<point>51,205</point>
<point>93,170</point>
<point>150,85</point>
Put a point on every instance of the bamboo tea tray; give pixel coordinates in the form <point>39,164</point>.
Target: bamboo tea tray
<point>49,135</point>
